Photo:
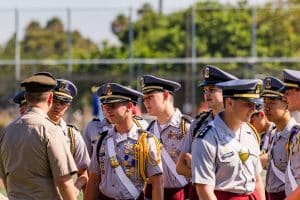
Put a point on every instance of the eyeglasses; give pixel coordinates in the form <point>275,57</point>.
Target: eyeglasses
<point>61,102</point>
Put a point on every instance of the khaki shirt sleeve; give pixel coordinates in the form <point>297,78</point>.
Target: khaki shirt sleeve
<point>60,159</point>
<point>2,171</point>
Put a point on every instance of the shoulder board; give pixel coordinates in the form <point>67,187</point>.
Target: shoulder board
<point>295,129</point>
<point>137,117</point>
<point>150,125</point>
<point>96,119</point>
<point>203,114</point>
<point>72,126</point>
<point>200,120</point>
<point>202,133</point>
<point>255,132</point>
<point>187,118</point>
<point>99,143</point>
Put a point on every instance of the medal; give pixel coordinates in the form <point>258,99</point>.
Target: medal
<point>126,163</point>
<point>114,162</point>
<point>128,172</point>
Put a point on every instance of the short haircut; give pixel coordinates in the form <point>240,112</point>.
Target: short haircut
<point>36,97</point>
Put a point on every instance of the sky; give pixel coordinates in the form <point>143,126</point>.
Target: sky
<point>91,17</point>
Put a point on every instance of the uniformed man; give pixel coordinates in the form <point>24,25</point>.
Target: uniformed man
<point>225,162</point>
<point>292,94</point>
<point>170,127</point>
<point>96,126</point>
<point>63,96</point>
<point>21,101</point>
<point>265,129</point>
<point>125,156</point>
<point>213,96</point>
<point>277,112</point>
<point>263,126</point>
<point>35,159</point>
<point>93,130</point>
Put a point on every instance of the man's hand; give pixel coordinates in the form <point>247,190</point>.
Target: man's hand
<point>188,160</point>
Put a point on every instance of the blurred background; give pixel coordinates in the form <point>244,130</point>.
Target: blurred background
<point>96,41</point>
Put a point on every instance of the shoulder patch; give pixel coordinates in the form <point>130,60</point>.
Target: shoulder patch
<point>72,126</point>
<point>96,119</point>
<point>201,133</point>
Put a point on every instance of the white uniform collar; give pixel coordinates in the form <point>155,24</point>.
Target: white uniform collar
<point>175,119</point>
<point>132,134</point>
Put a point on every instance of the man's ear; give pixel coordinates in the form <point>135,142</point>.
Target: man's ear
<point>229,102</point>
<point>261,114</point>
<point>130,105</point>
<point>50,98</point>
<point>166,95</point>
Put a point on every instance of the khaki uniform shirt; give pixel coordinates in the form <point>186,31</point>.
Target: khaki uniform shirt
<point>110,184</point>
<point>80,154</point>
<point>170,136</point>
<point>216,161</point>
<point>278,154</point>
<point>33,153</point>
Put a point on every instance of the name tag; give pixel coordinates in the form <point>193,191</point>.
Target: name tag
<point>227,155</point>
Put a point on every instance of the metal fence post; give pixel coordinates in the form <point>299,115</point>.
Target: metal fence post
<point>131,49</point>
<point>17,51</point>
<point>69,42</point>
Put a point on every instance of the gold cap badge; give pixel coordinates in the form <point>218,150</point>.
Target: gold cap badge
<point>62,87</point>
<point>206,72</point>
<point>108,91</point>
<point>142,82</point>
<point>268,83</point>
<point>258,88</point>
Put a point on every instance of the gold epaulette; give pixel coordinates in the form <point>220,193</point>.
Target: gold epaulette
<point>255,132</point>
<point>141,151</point>
<point>137,123</point>
<point>72,140</point>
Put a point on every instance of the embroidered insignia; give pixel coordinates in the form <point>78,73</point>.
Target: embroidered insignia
<point>62,87</point>
<point>108,90</point>
<point>258,88</point>
<point>268,83</point>
<point>142,83</point>
<point>206,72</point>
